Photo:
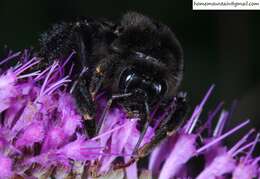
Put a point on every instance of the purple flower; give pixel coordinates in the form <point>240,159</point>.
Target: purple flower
<point>5,166</point>
<point>247,166</point>
<point>7,89</point>
<point>70,119</point>
<point>42,134</point>
<point>81,149</point>
<point>30,135</point>
<point>183,150</point>
<point>54,139</point>
<point>246,169</point>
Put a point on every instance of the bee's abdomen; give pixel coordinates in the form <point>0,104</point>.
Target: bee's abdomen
<point>57,42</point>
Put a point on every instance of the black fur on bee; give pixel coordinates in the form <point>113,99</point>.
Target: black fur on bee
<point>138,62</point>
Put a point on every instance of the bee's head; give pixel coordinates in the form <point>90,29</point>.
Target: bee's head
<point>145,58</point>
<point>133,80</point>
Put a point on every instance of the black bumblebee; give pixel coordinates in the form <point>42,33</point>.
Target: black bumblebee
<point>138,62</point>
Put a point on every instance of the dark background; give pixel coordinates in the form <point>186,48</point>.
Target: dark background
<point>221,47</point>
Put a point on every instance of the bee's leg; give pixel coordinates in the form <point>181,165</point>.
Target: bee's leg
<point>82,52</point>
<point>83,95</point>
<point>109,103</point>
<point>97,87</point>
<point>147,120</point>
<point>169,125</point>
<point>135,152</point>
<point>85,105</point>
<point>85,101</point>
<point>125,165</point>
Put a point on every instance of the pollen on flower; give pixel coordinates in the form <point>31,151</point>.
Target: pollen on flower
<point>42,133</point>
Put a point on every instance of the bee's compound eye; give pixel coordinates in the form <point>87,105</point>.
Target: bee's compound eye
<point>128,79</point>
<point>131,81</point>
<point>157,89</point>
